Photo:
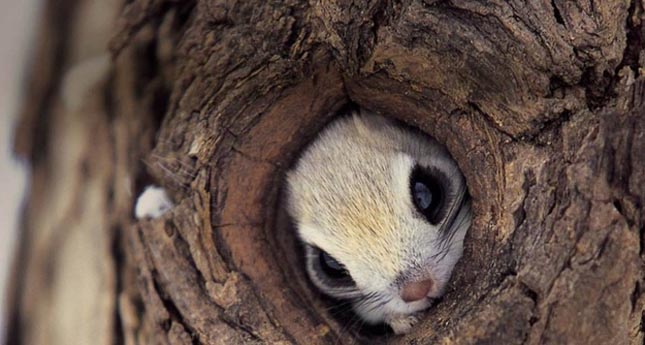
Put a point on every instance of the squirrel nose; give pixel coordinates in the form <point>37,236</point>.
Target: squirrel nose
<point>416,290</point>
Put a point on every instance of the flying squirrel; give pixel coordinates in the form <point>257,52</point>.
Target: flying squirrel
<point>382,211</point>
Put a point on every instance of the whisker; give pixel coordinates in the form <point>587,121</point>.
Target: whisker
<point>376,303</point>
<point>446,246</point>
<point>338,308</point>
<point>345,328</point>
<point>167,159</point>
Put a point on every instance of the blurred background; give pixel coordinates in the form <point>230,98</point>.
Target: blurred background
<point>18,22</point>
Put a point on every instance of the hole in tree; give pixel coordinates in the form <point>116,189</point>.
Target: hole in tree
<point>332,310</point>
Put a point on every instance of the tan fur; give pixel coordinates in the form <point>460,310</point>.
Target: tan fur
<point>349,196</point>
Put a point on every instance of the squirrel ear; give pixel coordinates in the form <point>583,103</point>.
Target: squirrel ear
<point>370,126</point>
<point>367,122</point>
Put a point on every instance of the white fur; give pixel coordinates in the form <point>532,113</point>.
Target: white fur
<point>152,203</point>
<point>349,195</point>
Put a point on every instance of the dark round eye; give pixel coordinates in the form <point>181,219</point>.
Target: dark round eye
<point>422,195</point>
<point>331,266</point>
<point>329,275</point>
<point>427,194</point>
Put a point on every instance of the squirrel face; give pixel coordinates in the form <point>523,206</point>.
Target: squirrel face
<point>382,212</point>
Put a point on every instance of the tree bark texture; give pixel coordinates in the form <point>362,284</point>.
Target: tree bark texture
<point>540,102</point>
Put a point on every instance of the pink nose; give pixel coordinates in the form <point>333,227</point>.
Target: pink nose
<point>416,290</point>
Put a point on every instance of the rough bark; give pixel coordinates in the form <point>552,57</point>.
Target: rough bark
<point>540,102</point>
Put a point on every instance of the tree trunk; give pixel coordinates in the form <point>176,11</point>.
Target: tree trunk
<point>541,103</point>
